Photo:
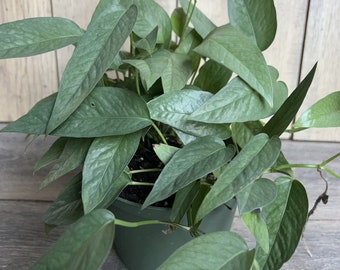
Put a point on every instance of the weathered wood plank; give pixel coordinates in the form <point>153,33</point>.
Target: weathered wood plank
<point>322,45</point>
<point>24,81</point>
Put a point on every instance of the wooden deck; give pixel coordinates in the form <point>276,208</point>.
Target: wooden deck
<point>23,239</point>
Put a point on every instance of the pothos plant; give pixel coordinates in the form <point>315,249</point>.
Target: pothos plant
<point>191,95</point>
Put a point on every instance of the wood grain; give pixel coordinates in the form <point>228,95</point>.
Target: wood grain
<point>322,45</point>
<point>25,81</point>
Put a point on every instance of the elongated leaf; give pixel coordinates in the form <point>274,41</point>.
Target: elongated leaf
<point>178,18</point>
<point>188,164</point>
<point>150,14</point>
<point>174,69</point>
<point>282,118</point>
<point>324,113</point>
<point>258,227</point>
<point>223,46</point>
<point>94,54</point>
<point>203,25</point>
<point>257,156</point>
<point>256,195</point>
<point>210,251</point>
<point>104,164</point>
<point>175,108</point>
<point>84,246</point>
<point>72,157</point>
<point>255,18</point>
<point>236,102</point>
<point>36,35</point>
<point>105,112</point>
<point>35,121</point>
<point>148,43</point>
<point>212,76</point>
<point>52,154</point>
<point>67,208</point>
<point>285,217</point>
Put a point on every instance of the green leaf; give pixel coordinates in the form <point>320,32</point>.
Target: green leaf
<point>258,227</point>
<point>256,195</point>
<point>223,46</point>
<point>93,55</point>
<point>211,251</point>
<point>203,25</point>
<point>105,162</point>
<point>148,43</point>
<point>243,132</point>
<point>84,246</point>
<point>236,102</point>
<point>255,18</point>
<point>164,152</point>
<point>212,76</point>
<point>67,208</point>
<point>324,113</point>
<point>173,68</point>
<point>188,164</point>
<point>175,108</point>
<point>178,18</point>
<point>72,157</point>
<point>103,113</point>
<point>257,156</point>
<point>286,217</point>
<point>282,118</point>
<point>36,35</point>
<point>35,121</point>
<point>52,154</point>
<point>106,112</point>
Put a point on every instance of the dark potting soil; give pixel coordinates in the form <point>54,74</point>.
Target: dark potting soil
<point>145,158</point>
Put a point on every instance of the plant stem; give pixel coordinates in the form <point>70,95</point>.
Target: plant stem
<point>190,12</point>
<point>159,133</point>
<point>145,170</point>
<point>134,183</point>
<point>137,81</point>
<point>129,224</point>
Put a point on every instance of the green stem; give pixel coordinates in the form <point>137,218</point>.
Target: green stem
<point>134,183</point>
<point>290,166</point>
<point>145,170</point>
<point>190,12</point>
<point>137,81</point>
<point>330,159</point>
<point>129,224</point>
<point>159,133</point>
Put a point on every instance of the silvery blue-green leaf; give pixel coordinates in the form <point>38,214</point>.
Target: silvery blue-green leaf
<point>36,35</point>
<point>52,154</point>
<point>72,157</point>
<point>324,113</point>
<point>188,164</point>
<point>243,132</point>
<point>35,121</point>
<point>173,68</point>
<point>203,25</point>
<point>280,93</point>
<point>185,137</point>
<point>213,251</point>
<point>175,108</point>
<point>256,195</point>
<point>258,227</point>
<point>104,164</point>
<point>178,18</point>
<point>84,246</point>
<point>107,111</point>
<point>255,18</point>
<point>223,46</point>
<point>212,76</point>
<point>150,14</point>
<point>67,208</point>
<point>235,102</point>
<point>258,155</point>
<point>149,42</point>
<point>283,117</point>
<point>93,55</point>
<point>286,217</point>
<point>164,152</point>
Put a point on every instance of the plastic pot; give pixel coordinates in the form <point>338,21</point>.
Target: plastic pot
<point>146,247</point>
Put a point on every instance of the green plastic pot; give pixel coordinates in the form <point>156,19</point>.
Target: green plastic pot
<point>146,247</point>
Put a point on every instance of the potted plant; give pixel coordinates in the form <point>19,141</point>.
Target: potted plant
<point>173,123</point>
